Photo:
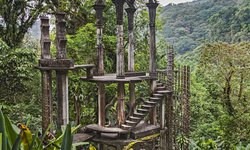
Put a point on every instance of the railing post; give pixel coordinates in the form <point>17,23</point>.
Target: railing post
<point>170,85</point>
<point>186,104</point>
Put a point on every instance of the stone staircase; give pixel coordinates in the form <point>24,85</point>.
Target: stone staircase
<point>140,113</point>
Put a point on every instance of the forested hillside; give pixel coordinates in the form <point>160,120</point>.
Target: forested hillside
<point>211,36</point>
<point>214,35</point>
<point>188,25</point>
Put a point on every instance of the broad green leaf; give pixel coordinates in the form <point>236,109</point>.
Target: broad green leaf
<point>16,144</point>
<point>11,131</point>
<point>3,131</point>
<point>67,139</point>
<point>1,141</point>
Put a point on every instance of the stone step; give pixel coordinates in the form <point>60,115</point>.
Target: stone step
<point>158,95</point>
<point>130,123</point>
<point>141,115</point>
<point>163,92</point>
<point>159,84</point>
<point>147,106</point>
<point>142,110</point>
<point>150,103</point>
<point>154,99</point>
<point>126,127</point>
<point>161,88</point>
<point>136,119</point>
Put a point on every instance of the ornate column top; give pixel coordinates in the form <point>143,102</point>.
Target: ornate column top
<point>130,12</point>
<point>131,3</point>
<point>44,19</point>
<point>119,10</point>
<point>99,7</point>
<point>152,12</point>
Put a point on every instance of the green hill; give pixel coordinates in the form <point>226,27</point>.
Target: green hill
<point>188,25</point>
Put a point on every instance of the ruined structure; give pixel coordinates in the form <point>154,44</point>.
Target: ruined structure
<point>162,116</point>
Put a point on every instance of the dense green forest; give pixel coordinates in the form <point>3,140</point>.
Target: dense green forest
<point>189,25</point>
<point>212,36</point>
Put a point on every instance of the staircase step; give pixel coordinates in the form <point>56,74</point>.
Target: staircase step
<point>136,119</point>
<point>158,81</point>
<point>150,103</point>
<point>163,92</point>
<point>130,123</point>
<point>141,115</point>
<point>126,127</point>
<point>155,98</point>
<point>158,95</point>
<point>161,88</point>
<point>142,110</point>
<point>147,106</point>
<point>159,84</point>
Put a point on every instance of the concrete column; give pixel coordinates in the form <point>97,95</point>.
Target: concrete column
<point>152,62</point>
<point>99,6</point>
<point>46,75</point>
<point>131,53</point>
<point>120,67</point>
<point>61,75</point>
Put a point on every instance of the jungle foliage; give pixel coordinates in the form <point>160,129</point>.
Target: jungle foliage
<point>220,70</point>
<point>188,25</point>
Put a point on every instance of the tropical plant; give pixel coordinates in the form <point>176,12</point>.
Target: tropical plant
<point>19,137</point>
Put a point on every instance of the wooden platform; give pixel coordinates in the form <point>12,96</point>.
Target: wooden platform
<point>111,78</point>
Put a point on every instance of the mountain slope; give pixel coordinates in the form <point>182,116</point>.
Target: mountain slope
<point>188,25</point>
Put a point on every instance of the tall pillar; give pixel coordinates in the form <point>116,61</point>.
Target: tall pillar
<point>61,75</point>
<point>131,52</point>
<point>120,68</point>
<point>152,15</point>
<point>99,6</point>
<point>152,62</point>
<point>170,86</point>
<point>46,75</point>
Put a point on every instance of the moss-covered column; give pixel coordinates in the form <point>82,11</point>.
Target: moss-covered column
<point>46,75</point>
<point>99,6</point>
<point>131,52</point>
<point>120,67</point>
<point>152,62</point>
<point>61,75</point>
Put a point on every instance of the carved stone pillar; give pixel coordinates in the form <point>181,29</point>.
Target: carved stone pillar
<point>61,75</point>
<point>120,67</point>
<point>152,15</point>
<point>131,54</point>
<point>46,75</point>
<point>100,62</point>
<point>152,62</point>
